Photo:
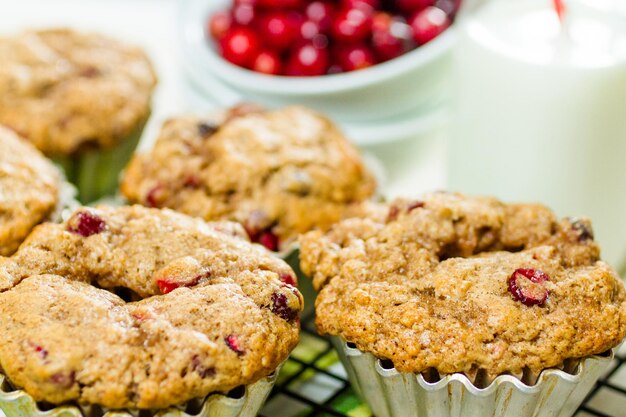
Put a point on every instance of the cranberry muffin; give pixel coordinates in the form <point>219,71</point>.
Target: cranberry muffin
<point>138,308</point>
<point>461,283</point>
<point>75,95</point>
<point>279,173</point>
<point>30,188</point>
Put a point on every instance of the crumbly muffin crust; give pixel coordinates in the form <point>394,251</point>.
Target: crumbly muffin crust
<point>66,90</point>
<point>429,287</point>
<point>29,190</point>
<point>284,172</point>
<point>199,309</point>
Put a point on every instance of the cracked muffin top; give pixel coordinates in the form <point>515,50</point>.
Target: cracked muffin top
<point>143,309</point>
<point>65,90</point>
<point>279,173</point>
<point>29,190</point>
<point>466,284</point>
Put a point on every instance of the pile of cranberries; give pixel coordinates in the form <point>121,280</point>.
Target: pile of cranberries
<point>310,38</point>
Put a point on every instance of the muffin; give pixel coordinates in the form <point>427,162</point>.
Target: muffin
<point>279,173</point>
<point>457,302</point>
<point>81,98</point>
<point>134,308</point>
<point>31,189</point>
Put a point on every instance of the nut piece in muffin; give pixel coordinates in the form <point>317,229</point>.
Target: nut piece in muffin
<point>142,308</point>
<point>75,96</point>
<point>279,173</point>
<point>29,190</point>
<point>466,284</point>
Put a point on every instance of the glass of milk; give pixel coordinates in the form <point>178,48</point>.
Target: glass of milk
<point>540,111</point>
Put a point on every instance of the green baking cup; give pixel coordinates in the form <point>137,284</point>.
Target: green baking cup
<point>95,172</point>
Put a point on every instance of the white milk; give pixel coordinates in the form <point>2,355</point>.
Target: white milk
<point>540,113</point>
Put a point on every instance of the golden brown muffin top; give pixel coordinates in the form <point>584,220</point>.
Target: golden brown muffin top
<point>142,308</point>
<point>29,189</point>
<point>66,90</point>
<point>466,284</point>
<point>279,173</point>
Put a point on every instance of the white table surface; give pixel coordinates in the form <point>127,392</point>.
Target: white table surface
<point>410,167</point>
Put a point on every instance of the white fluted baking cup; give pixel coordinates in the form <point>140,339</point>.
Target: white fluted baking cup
<point>389,393</point>
<point>17,403</point>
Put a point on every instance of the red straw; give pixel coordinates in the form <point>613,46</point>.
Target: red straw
<point>559,6</point>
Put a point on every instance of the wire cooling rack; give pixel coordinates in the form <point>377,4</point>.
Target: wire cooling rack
<point>314,384</point>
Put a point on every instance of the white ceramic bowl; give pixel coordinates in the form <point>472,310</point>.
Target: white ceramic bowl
<point>412,84</point>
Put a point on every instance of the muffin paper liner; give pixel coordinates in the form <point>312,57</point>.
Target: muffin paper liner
<point>17,403</point>
<point>95,172</point>
<point>389,393</point>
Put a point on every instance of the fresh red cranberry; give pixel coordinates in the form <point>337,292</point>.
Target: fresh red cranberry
<point>451,7</point>
<point>352,25</point>
<point>280,307</point>
<point>320,42</point>
<point>527,286</point>
<point>355,57</point>
<point>168,285</point>
<point>389,37</point>
<point>321,13</point>
<point>282,4</point>
<point>199,368</point>
<point>334,69</point>
<point>86,223</point>
<point>64,379</point>
<point>288,279</point>
<point>233,343</point>
<point>429,23</point>
<point>155,196</point>
<point>219,24</point>
<point>267,62</point>
<point>240,46</point>
<point>410,6</point>
<point>308,60</point>
<point>387,46</point>
<point>415,205</point>
<point>381,22</point>
<point>243,14</point>
<point>269,240</point>
<point>310,31</point>
<point>367,5</point>
<point>279,29</point>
